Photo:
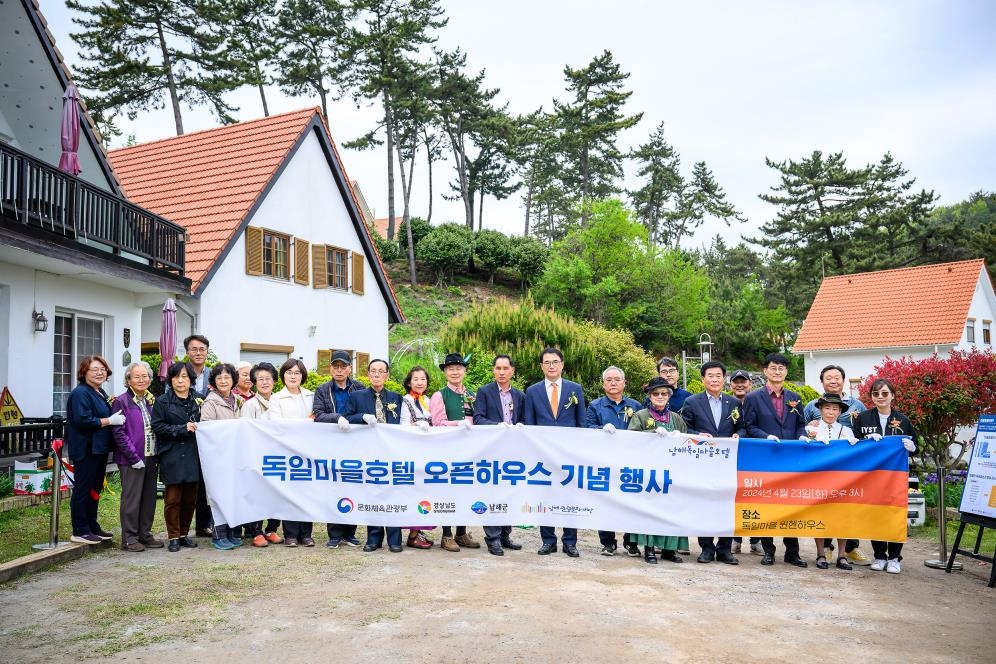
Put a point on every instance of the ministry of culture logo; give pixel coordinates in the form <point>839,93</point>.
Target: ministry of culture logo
<point>479,508</point>
<point>424,507</point>
<point>345,505</point>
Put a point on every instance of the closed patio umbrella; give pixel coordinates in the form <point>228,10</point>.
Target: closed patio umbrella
<point>167,337</point>
<point>70,161</point>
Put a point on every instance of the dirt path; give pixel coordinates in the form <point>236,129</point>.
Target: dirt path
<point>313,605</point>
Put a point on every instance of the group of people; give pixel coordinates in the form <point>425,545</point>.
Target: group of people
<point>156,438</point>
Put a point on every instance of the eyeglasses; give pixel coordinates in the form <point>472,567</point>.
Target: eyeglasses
<point>659,394</point>
<point>376,372</point>
<point>292,372</point>
<point>98,370</point>
<point>669,370</point>
<point>551,363</point>
<point>882,393</point>
<point>197,349</point>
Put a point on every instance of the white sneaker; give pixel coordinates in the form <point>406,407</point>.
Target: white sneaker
<point>879,565</point>
<point>893,566</point>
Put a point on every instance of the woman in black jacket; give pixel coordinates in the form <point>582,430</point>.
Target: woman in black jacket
<point>174,419</point>
<point>873,424</point>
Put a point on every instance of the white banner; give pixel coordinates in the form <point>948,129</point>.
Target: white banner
<point>400,476</point>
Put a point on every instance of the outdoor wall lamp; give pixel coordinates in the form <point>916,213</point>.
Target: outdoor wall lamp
<point>40,322</point>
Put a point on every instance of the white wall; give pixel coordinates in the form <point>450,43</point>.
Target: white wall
<point>982,309</point>
<point>28,368</point>
<point>235,307</point>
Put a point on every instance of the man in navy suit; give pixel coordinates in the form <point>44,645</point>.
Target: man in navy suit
<point>499,403</point>
<point>555,402</point>
<point>775,413</point>
<point>713,414</point>
<point>375,405</point>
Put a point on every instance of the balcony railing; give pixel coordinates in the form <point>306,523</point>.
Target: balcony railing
<point>42,196</point>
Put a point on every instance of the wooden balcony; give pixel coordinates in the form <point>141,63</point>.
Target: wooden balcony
<point>42,197</point>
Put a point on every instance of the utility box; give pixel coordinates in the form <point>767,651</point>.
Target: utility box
<point>916,513</point>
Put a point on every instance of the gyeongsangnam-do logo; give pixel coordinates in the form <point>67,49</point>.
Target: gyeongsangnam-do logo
<point>345,505</point>
<point>479,508</point>
<point>424,507</point>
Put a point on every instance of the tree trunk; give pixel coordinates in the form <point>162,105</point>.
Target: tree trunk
<point>389,126</point>
<point>529,206</point>
<point>170,79</point>
<point>262,91</point>
<point>480,213</point>
<point>406,193</point>
<point>428,159</point>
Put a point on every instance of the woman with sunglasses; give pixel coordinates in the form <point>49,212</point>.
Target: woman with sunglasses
<point>873,424</point>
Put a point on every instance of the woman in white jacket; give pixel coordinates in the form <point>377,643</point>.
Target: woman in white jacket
<point>293,402</point>
<point>264,378</point>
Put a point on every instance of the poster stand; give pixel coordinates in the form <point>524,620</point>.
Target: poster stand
<point>978,501</point>
<point>982,522</point>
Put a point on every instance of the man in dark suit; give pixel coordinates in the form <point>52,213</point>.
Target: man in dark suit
<point>555,402</point>
<point>775,413</point>
<point>499,403</point>
<point>713,414</point>
<point>373,406</point>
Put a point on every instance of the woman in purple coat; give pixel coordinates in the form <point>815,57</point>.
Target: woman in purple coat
<point>135,454</point>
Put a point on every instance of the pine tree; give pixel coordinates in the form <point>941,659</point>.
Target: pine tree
<point>653,201</point>
<point>248,27</point>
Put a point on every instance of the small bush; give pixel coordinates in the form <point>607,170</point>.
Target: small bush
<point>494,249</point>
<point>388,249</point>
<point>445,248</point>
<point>420,228</point>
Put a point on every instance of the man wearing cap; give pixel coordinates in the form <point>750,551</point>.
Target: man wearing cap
<point>712,414</point>
<point>740,385</point>
<point>775,413</point>
<point>330,403</point>
<point>453,406</point>
<point>832,378</point>
<point>499,403</point>
<point>611,412</point>
<point>555,402</point>
<point>375,406</point>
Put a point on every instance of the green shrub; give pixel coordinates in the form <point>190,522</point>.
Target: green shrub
<point>445,248</point>
<point>529,257</point>
<point>154,360</point>
<point>388,249</point>
<point>494,249</point>
<point>695,386</point>
<point>420,228</point>
<point>805,391</point>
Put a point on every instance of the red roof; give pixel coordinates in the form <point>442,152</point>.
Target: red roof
<point>380,226</point>
<point>917,306</point>
<point>209,181</point>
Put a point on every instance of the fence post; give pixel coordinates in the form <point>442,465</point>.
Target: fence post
<point>53,537</point>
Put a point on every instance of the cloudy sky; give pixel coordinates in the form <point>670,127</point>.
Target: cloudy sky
<point>734,82</point>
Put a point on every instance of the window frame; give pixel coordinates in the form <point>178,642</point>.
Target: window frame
<point>334,280</point>
<point>970,331</point>
<point>67,378</point>
<point>270,254</point>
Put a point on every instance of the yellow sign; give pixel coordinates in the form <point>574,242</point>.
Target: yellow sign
<point>10,413</point>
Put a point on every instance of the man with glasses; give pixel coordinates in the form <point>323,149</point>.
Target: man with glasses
<point>555,402</point>
<point>667,368</point>
<point>197,348</point>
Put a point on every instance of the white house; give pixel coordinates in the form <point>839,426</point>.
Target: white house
<point>278,253</point>
<point>73,250</point>
<point>857,320</point>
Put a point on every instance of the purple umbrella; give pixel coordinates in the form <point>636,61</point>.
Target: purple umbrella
<point>167,337</point>
<point>70,161</point>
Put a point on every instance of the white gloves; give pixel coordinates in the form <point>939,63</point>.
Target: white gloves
<point>875,436</point>
<point>806,439</point>
<point>852,441</point>
<point>370,419</point>
<point>610,428</point>
<point>116,420</point>
<point>663,432</point>
<point>466,424</point>
<point>774,438</point>
<point>908,444</point>
<point>422,425</point>
<point>138,465</point>
<point>343,424</point>
<point>504,425</point>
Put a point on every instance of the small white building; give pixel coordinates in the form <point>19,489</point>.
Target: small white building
<point>73,250</point>
<point>280,258</point>
<point>857,320</point>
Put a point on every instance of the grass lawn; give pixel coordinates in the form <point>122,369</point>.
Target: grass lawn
<point>930,531</point>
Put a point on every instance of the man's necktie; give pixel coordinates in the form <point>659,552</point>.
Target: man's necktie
<point>554,399</point>
<point>379,409</point>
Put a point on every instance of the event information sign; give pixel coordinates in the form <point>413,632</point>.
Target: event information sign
<point>584,478</point>
<point>979,496</point>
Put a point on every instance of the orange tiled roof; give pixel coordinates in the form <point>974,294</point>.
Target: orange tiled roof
<point>878,309</point>
<point>380,225</point>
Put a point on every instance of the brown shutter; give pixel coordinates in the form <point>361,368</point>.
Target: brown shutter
<point>318,271</point>
<point>325,362</point>
<point>254,251</point>
<point>362,360</point>
<point>358,273</point>
<point>301,261</point>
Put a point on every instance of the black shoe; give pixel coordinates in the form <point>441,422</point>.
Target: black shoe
<point>394,549</point>
<point>496,550</point>
<point>842,563</point>
<point>102,534</point>
<point>547,549</point>
<point>727,558</point>
<point>706,557</point>
<point>188,543</point>
<point>796,560</point>
<point>768,559</point>
<point>205,532</point>
<point>648,555</point>
<point>174,545</point>
<point>671,556</point>
<point>571,550</point>
<point>368,547</point>
<point>507,543</point>
<point>632,550</point>
<point>821,563</point>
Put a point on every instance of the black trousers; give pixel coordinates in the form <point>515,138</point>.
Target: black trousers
<point>721,544</point>
<point>297,529</point>
<point>740,540</point>
<point>887,550</point>
<point>202,512</point>
<point>495,534</point>
<point>791,545</point>
<point>272,525</point>
<point>607,537</point>
<point>448,531</point>
<point>88,482</point>
<point>340,530</point>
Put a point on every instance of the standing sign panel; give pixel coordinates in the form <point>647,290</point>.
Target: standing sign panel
<point>979,496</point>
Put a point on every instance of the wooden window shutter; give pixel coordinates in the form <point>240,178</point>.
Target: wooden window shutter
<point>358,273</point>
<point>319,273</point>
<point>362,360</point>
<point>301,261</point>
<point>325,362</point>
<point>254,251</point>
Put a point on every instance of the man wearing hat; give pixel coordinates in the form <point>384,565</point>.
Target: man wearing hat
<point>555,402</point>
<point>453,406</point>
<point>330,403</point>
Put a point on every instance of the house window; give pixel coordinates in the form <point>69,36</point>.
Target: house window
<point>987,338</point>
<point>337,267</point>
<point>76,336</point>
<point>276,251</point>
<point>970,331</point>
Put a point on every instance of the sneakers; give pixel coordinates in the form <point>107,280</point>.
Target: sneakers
<point>85,539</point>
<point>858,558</point>
<point>632,550</point>
<point>274,538</point>
<point>260,541</point>
<point>609,550</point>
<point>892,567</point>
<point>878,565</point>
<point>307,541</point>
<point>350,541</point>
<point>221,543</point>
<point>103,534</point>
<point>757,549</point>
<point>333,543</point>
<point>236,542</point>
<point>291,542</point>
<point>134,547</point>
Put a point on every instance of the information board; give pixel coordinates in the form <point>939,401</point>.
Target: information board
<point>979,496</point>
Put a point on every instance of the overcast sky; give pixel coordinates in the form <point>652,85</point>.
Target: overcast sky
<point>734,82</point>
